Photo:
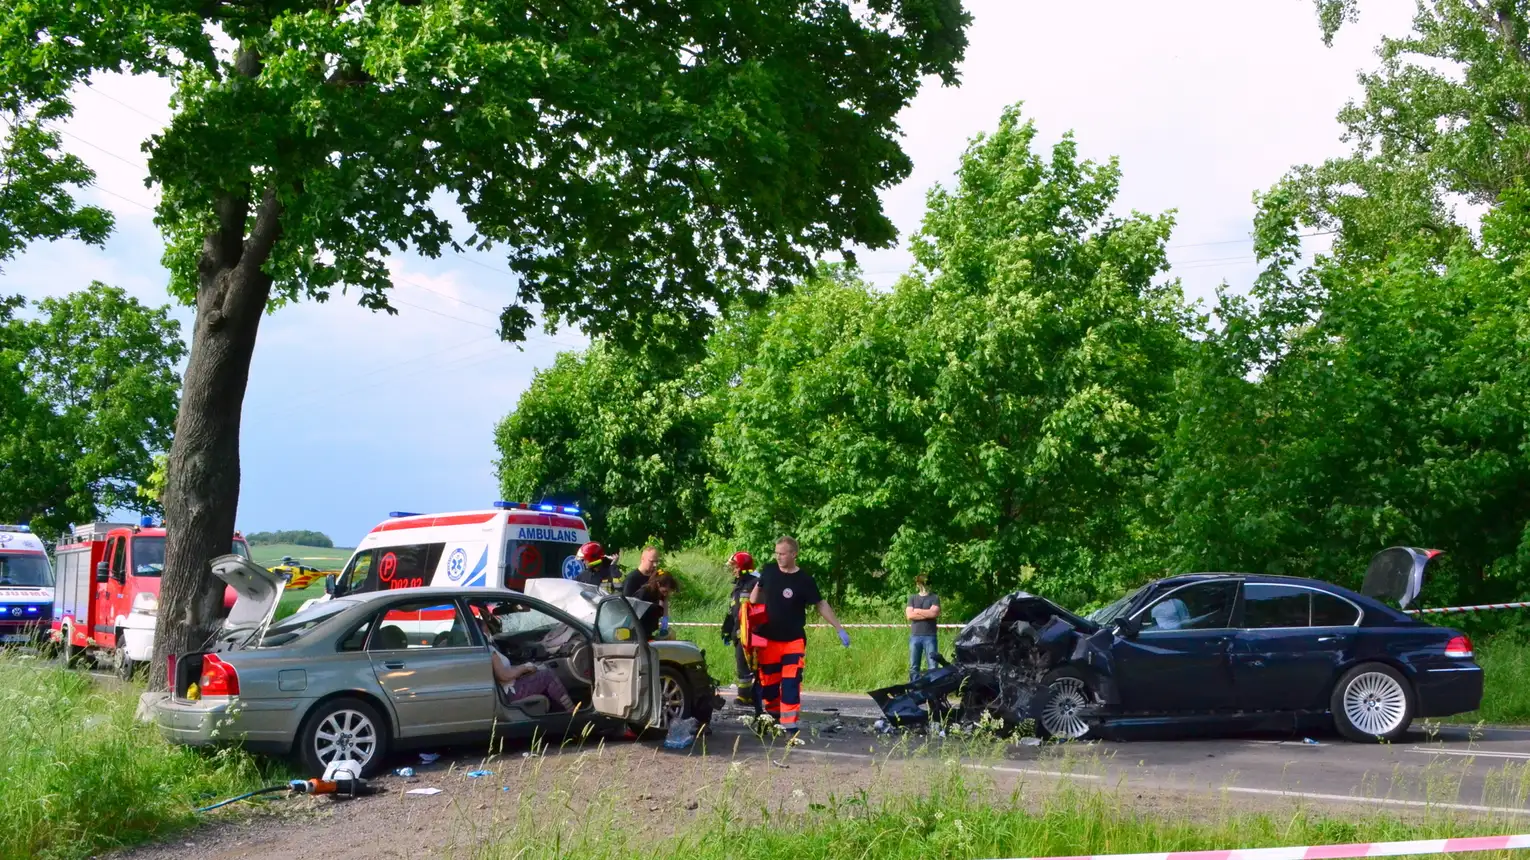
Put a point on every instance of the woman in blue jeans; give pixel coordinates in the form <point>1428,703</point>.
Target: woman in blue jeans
<point>922,612</point>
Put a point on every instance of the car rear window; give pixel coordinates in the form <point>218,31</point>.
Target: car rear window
<point>294,628</point>
<point>1331,611</point>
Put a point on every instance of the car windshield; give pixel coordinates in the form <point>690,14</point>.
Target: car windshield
<point>1106,614</point>
<point>294,628</point>
<point>27,570</point>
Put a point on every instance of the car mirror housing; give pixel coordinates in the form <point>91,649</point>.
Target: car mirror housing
<point>1128,627</point>
<point>101,574</point>
<point>329,584</point>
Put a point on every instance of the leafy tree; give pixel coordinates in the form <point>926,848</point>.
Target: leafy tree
<point>991,421</point>
<point>631,158</point>
<point>35,178</point>
<point>1377,396</point>
<point>298,537</point>
<point>87,395</point>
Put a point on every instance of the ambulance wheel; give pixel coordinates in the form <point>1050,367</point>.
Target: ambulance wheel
<point>343,728</point>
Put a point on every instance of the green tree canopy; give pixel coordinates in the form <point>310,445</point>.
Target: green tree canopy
<point>298,537</point>
<point>629,158</point>
<point>87,395</point>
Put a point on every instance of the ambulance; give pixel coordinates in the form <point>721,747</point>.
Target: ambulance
<point>502,547</point>
<point>26,586</point>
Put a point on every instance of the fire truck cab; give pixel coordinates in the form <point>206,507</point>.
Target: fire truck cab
<point>107,598</point>
<point>26,586</point>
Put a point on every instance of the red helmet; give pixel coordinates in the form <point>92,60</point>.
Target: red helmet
<point>590,553</point>
<point>742,561</point>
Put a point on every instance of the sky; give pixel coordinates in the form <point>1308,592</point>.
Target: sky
<point>351,414</point>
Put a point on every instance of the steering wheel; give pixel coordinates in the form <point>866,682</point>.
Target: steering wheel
<point>581,661</point>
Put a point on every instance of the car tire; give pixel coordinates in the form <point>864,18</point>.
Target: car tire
<point>1372,703</point>
<point>1064,691</point>
<point>676,693</point>
<point>340,725</point>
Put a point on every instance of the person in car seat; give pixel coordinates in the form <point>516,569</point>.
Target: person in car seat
<point>525,680</point>
<point>1170,614</point>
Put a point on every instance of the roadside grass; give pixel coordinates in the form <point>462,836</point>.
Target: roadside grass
<point>1505,661</point>
<point>81,777</point>
<point>956,813</point>
<point>291,600</point>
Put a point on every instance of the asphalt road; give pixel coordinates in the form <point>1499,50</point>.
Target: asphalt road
<point>1453,767</point>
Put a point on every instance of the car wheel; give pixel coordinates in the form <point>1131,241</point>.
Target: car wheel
<point>676,695</point>
<point>1067,692</point>
<point>343,729</point>
<point>1372,702</point>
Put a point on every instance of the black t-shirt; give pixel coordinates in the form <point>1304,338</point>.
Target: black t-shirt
<point>787,597</point>
<point>923,601</point>
<point>635,580</point>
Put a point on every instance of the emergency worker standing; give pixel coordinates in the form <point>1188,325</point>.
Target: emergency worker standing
<point>787,591</point>
<point>734,624</point>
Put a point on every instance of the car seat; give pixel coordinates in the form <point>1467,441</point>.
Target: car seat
<point>1171,614</point>
<point>390,638</point>
<point>453,638</point>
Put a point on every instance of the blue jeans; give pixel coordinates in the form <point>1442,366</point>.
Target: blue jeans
<point>921,645</point>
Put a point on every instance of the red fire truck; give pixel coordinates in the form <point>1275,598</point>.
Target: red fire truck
<point>106,600</point>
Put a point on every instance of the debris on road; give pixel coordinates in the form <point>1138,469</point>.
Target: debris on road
<point>424,792</point>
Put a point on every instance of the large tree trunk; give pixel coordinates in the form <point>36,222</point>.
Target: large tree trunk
<point>202,479</point>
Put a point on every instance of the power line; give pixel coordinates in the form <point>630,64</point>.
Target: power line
<point>127,161</point>
<point>123,199</point>
<point>104,95</point>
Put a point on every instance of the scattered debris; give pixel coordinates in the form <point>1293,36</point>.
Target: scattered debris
<point>833,728</point>
<point>430,758</point>
<point>404,771</point>
<point>681,734</point>
<point>1030,742</point>
<point>1311,742</point>
<point>475,774</point>
<point>423,791</point>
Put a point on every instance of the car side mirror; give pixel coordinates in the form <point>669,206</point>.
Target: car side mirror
<point>101,574</point>
<point>1128,627</point>
<point>329,584</point>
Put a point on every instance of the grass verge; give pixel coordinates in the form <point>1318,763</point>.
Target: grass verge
<point>81,776</point>
<point>958,814</point>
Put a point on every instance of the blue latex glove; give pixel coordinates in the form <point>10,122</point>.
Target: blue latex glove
<point>844,638</point>
<point>664,625</point>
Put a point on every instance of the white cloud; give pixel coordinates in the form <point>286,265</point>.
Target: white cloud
<point>350,414</point>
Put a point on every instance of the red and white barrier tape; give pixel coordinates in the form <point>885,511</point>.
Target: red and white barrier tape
<point>1478,608</point>
<point>1333,852</point>
<point>1438,610</point>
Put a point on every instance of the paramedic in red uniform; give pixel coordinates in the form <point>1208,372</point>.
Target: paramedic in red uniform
<point>787,591</point>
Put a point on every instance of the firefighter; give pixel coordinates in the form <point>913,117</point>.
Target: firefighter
<point>786,592</point>
<point>735,629</point>
<point>599,568</point>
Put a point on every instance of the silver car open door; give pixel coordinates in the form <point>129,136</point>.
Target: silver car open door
<point>626,669</point>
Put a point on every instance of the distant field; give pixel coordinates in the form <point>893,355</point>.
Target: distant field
<point>312,556</point>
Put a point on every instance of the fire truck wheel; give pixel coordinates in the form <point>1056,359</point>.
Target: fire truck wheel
<point>343,728</point>
<point>126,666</point>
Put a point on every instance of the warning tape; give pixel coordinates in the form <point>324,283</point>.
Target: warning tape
<point>1478,608</point>
<point>1438,610</point>
<point>1332,852</point>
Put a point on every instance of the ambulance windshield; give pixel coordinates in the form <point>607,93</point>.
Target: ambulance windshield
<point>25,571</point>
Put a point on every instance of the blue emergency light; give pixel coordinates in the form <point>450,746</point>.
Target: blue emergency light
<point>146,522</point>
<point>547,507</point>
<point>32,610</point>
<point>393,515</point>
<point>571,509</point>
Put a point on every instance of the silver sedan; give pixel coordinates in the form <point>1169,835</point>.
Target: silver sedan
<point>360,676</point>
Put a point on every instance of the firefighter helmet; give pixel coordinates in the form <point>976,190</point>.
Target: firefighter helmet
<point>591,553</point>
<point>742,561</point>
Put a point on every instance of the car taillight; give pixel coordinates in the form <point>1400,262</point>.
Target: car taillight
<point>1459,646</point>
<point>218,677</point>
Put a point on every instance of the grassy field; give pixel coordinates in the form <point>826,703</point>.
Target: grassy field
<point>960,814</point>
<point>81,777</point>
<point>324,558</point>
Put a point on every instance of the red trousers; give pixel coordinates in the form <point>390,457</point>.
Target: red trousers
<point>781,680</point>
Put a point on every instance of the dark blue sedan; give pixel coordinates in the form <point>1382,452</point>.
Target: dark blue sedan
<point>1210,647</point>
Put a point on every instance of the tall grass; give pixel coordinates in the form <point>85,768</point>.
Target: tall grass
<point>957,814</point>
<point>80,776</point>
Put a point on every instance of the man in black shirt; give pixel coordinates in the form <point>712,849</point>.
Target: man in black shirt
<point>922,611</point>
<point>787,591</point>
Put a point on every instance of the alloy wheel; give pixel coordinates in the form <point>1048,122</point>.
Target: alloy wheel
<point>1060,717</point>
<point>345,734</point>
<point>1375,703</point>
<point>673,696</point>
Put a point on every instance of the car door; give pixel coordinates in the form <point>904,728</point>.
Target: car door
<point>438,687</point>
<point>109,592</point>
<point>1176,661</point>
<point>626,669</point>
<point>1291,641</point>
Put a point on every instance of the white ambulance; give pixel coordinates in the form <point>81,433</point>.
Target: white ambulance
<point>26,586</point>
<point>499,548</point>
